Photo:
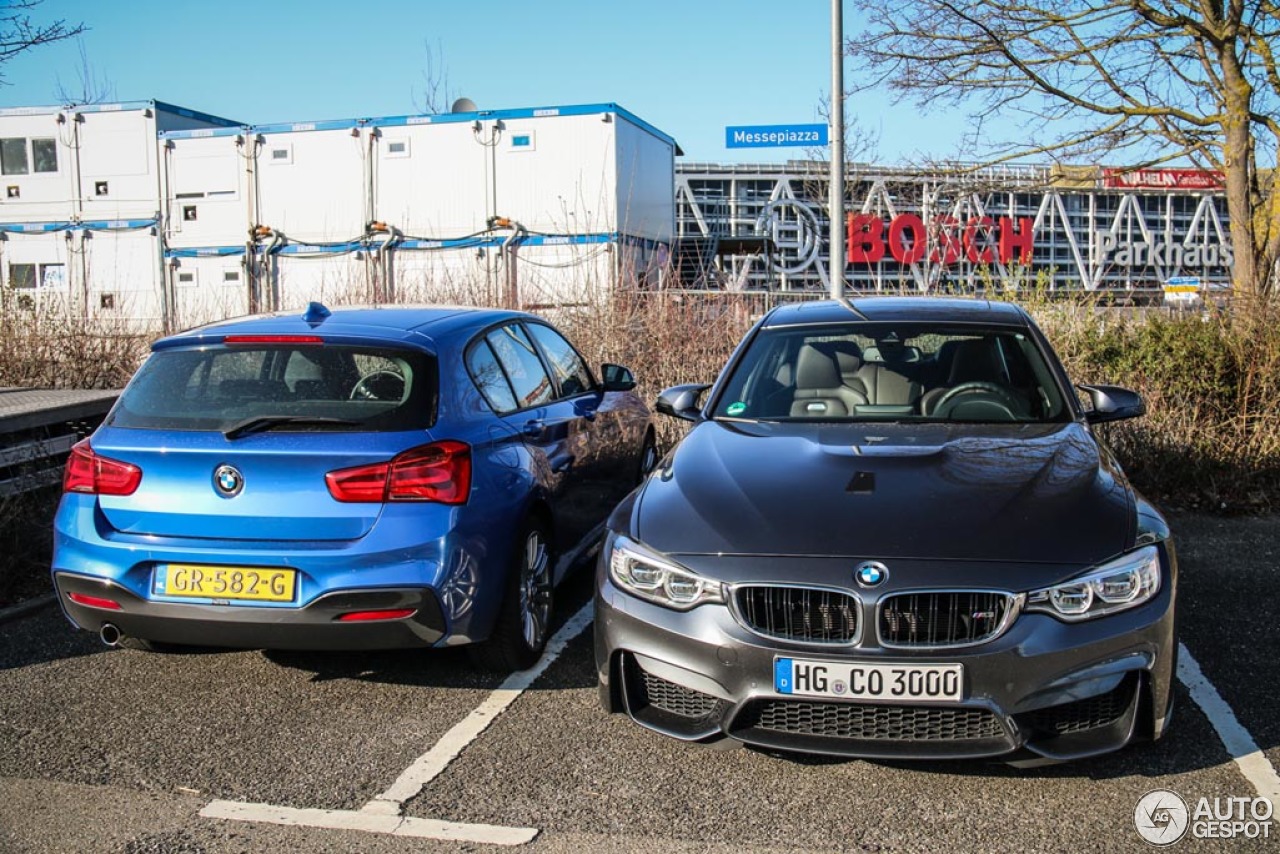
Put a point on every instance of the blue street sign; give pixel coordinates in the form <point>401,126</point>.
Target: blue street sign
<point>775,136</point>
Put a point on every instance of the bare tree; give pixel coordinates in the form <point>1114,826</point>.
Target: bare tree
<point>90,87</point>
<point>1159,80</point>
<point>19,33</point>
<point>436,94</point>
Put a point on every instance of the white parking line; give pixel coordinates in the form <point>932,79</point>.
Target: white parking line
<point>1253,763</point>
<point>383,814</point>
<point>393,825</point>
<point>431,764</point>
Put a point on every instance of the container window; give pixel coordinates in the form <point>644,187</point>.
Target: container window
<point>44,155</point>
<point>13,156</point>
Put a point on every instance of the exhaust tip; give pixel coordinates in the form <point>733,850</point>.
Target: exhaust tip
<point>110,634</point>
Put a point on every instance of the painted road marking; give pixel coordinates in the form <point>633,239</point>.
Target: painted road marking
<point>1253,763</point>
<point>384,813</point>
<point>432,763</point>
<point>393,825</point>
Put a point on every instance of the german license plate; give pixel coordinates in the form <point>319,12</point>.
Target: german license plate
<point>226,582</point>
<point>866,681</point>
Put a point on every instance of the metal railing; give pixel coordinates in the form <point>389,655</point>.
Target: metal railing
<point>37,429</point>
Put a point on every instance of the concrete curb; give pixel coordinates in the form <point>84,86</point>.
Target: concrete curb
<point>22,609</point>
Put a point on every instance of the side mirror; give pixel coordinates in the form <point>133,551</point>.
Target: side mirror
<point>617,378</point>
<point>1112,403</point>
<point>681,401</point>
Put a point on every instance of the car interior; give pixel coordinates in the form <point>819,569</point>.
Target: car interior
<point>979,376</point>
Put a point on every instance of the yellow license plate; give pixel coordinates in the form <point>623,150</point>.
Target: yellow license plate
<point>229,582</point>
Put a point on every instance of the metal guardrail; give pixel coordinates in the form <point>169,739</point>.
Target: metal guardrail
<point>38,428</point>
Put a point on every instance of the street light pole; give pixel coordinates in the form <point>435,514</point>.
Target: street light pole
<point>835,186</point>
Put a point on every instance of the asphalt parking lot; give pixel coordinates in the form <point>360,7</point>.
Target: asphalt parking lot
<point>123,751</point>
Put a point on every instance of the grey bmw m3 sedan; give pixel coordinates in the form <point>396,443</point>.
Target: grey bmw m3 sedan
<point>892,532</point>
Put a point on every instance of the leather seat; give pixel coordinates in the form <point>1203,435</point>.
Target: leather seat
<point>820,389</point>
<point>890,382</point>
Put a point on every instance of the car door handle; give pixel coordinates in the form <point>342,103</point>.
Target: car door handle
<point>534,428</point>
<point>563,464</point>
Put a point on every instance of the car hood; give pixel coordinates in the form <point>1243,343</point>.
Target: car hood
<point>1027,493</point>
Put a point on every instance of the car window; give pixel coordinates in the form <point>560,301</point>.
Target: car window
<point>489,378</point>
<point>907,371</point>
<point>571,372</point>
<point>340,387</point>
<point>522,365</point>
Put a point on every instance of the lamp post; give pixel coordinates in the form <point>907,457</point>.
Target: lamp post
<point>835,185</point>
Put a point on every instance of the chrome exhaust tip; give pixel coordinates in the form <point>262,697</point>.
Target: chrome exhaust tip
<point>110,635</point>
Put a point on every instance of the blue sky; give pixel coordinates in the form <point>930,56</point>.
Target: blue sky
<point>690,68</point>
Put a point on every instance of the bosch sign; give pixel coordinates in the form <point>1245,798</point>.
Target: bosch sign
<point>945,240</point>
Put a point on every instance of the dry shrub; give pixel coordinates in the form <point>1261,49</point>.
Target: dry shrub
<point>55,349</point>
<point>1211,438</point>
<point>666,338</point>
<point>1211,382</point>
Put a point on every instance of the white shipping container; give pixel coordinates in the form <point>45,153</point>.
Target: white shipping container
<point>208,288</point>
<point>311,180</point>
<point>206,188</point>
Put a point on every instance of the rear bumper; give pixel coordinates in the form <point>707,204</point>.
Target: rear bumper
<point>313,627</point>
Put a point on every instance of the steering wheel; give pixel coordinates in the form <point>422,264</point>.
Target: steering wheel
<point>1003,398</point>
<point>378,385</point>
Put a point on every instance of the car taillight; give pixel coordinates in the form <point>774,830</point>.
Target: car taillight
<point>91,474</point>
<point>94,601</point>
<point>371,616</point>
<point>439,472</point>
<point>233,340</point>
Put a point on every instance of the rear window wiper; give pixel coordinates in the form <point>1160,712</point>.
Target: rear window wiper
<point>259,423</point>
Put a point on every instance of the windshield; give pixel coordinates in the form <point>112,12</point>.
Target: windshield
<point>865,371</point>
<point>314,387</point>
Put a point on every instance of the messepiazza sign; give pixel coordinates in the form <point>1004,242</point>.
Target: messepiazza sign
<point>945,240</point>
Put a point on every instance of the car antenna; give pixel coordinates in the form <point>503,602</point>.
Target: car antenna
<point>316,313</point>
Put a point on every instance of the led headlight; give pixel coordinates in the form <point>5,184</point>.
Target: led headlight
<point>648,575</point>
<point>1125,582</point>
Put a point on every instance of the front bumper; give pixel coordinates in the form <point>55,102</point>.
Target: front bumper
<point>1043,691</point>
<point>313,627</point>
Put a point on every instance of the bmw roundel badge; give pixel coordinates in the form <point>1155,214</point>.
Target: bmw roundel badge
<point>228,481</point>
<point>871,573</point>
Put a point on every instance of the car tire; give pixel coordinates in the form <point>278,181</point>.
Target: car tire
<point>524,620</point>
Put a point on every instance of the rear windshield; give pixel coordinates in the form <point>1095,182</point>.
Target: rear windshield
<point>299,388</point>
<point>893,372</point>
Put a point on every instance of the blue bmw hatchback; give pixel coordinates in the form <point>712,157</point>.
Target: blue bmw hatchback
<point>348,479</point>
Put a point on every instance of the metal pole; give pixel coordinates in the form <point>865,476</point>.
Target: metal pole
<point>835,186</point>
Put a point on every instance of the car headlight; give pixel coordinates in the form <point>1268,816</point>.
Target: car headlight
<point>1126,582</point>
<point>648,575</point>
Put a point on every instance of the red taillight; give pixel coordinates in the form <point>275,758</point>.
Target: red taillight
<point>366,616</point>
<point>272,339</point>
<point>91,474</point>
<point>439,472</point>
<point>94,601</point>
